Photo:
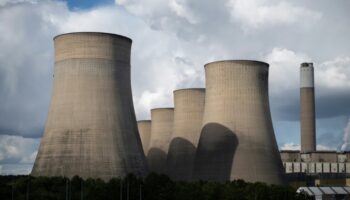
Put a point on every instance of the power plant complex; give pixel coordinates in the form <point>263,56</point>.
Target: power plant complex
<point>222,132</point>
<point>309,166</point>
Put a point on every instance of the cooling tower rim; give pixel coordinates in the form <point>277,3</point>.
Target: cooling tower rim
<point>184,89</point>
<point>307,64</point>
<point>94,33</point>
<point>165,108</point>
<point>144,120</point>
<point>289,151</point>
<point>255,62</point>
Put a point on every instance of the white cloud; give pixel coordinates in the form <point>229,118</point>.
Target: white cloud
<point>321,147</point>
<point>290,146</point>
<point>148,8</point>
<point>15,149</point>
<point>15,169</point>
<point>181,10</point>
<point>284,69</point>
<point>26,56</point>
<point>257,13</point>
<point>334,74</point>
<point>29,158</point>
<point>4,2</point>
<point>161,14</point>
<point>296,147</point>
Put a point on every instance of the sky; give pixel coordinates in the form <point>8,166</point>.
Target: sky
<point>172,40</point>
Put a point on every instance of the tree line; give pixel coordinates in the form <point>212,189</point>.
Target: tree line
<point>152,187</point>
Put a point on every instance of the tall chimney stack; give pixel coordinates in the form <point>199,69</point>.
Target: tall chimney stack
<point>307,108</point>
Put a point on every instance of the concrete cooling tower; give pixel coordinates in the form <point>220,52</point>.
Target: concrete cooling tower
<point>91,128</point>
<point>307,108</point>
<point>144,127</point>
<point>237,140</point>
<point>161,130</point>
<point>188,115</point>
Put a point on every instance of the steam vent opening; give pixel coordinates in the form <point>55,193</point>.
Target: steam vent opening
<point>91,128</point>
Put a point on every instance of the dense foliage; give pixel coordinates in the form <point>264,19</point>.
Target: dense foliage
<point>153,187</point>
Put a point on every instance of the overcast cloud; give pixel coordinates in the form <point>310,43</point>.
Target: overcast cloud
<point>172,40</point>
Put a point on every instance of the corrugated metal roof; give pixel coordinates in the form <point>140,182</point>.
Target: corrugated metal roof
<point>347,189</point>
<point>317,191</point>
<point>340,190</point>
<point>327,190</point>
<point>306,190</point>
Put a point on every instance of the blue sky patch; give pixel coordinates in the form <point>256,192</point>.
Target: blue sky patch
<point>87,4</point>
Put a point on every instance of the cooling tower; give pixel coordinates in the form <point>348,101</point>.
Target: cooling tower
<point>144,127</point>
<point>188,115</point>
<point>237,140</point>
<point>91,128</point>
<point>307,108</point>
<point>161,130</point>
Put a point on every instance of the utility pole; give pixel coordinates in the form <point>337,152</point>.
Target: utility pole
<point>81,190</point>
<point>12,190</point>
<point>27,196</point>
<point>127,190</point>
<point>140,192</point>
<point>121,189</point>
<point>66,188</point>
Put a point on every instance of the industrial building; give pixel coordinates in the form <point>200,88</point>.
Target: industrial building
<point>316,162</point>
<point>188,115</point>
<point>91,128</point>
<point>309,166</point>
<point>144,127</point>
<point>161,130</point>
<point>237,140</point>
<point>326,168</point>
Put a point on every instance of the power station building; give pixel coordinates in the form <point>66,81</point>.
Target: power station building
<point>237,139</point>
<point>91,128</point>
<point>309,166</point>
<point>161,130</point>
<point>188,116</point>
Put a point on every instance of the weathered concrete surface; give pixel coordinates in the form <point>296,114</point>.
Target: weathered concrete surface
<point>307,108</point>
<point>91,127</point>
<point>161,130</point>
<point>188,116</point>
<point>144,127</point>
<point>237,139</point>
